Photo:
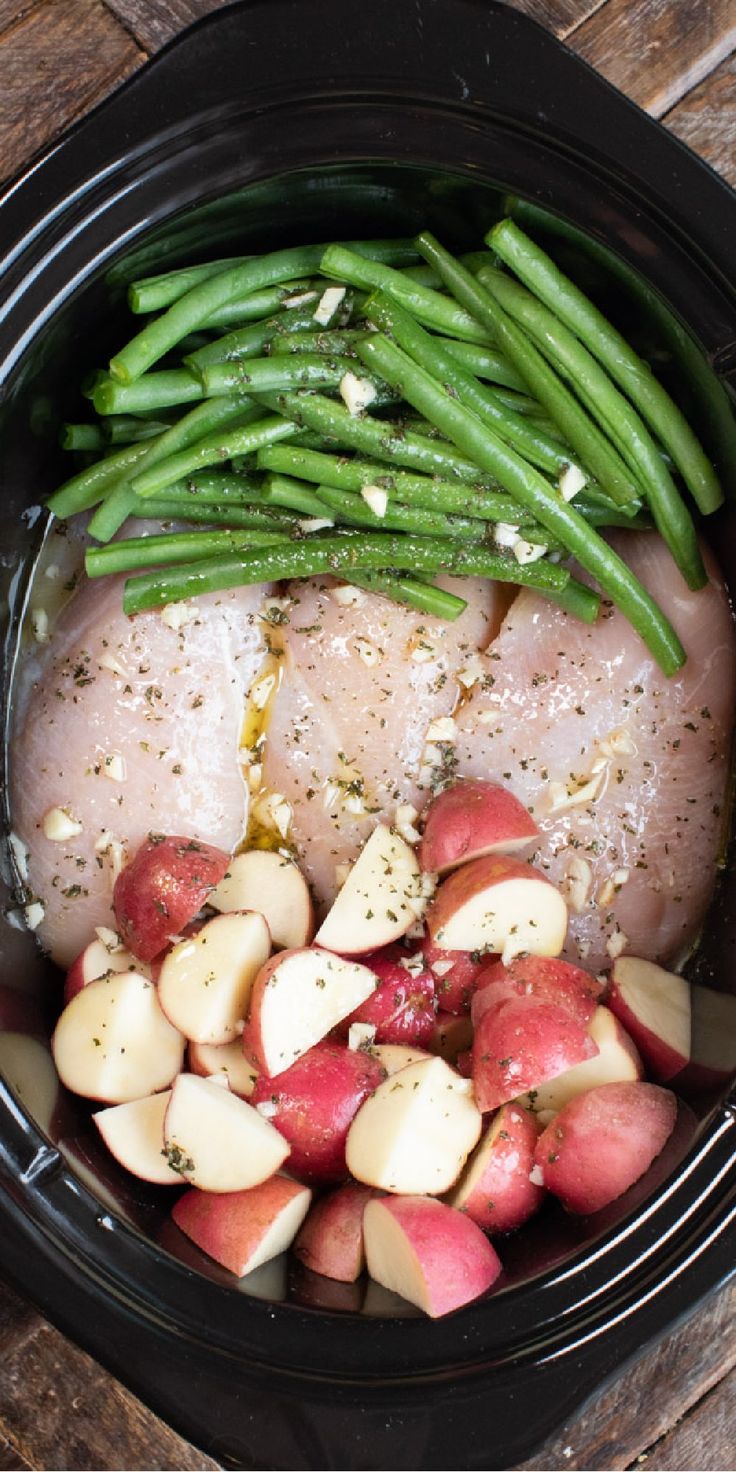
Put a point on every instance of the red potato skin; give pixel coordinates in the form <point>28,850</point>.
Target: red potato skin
<point>604,1141</point>
<point>546,978</point>
<point>162,889</point>
<point>331,1240</point>
<point>454,989</point>
<point>316,1100</point>
<point>465,883</point>
<point>470,819</point>
<point>663,1062</point>
<point>230,1226</point>
<point>520,1045</point>
<point>252,1041</point>
<point>457,1261</point>
<point>503,1197</point>
<point>402,1008</point>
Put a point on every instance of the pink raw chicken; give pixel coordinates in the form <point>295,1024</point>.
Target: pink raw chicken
<point>133,727</point>
<point>570,706</point>
<point>362,684</point>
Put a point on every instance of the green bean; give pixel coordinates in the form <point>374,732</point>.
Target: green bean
<point>153,293</point>
<point>532,491</point>
<point>212,487</point>
<point>594,450</point>
<point>247,517</point>
<point>163,390</point>
<point>484,363</point>
<point>377,437</point>
<point>259,375</point>
<point>134,553</point>
<point>126,429</point>
<point>428,306</point>
<point>196,307</point>
<point>119,500</point>
<point>537,448</point>
<point>89,487</point>
<point>81,437</point>
<point>577,599</point>
<point>284,490</point>
<point>210,450</point>
<point>247,342</point>
<point>353,510</point>
<point>603,340</point>
<point>425,597</point>
<point>614,413</point>
<point>336,554</point>
<point>256,305</point>
<point>336,341</point>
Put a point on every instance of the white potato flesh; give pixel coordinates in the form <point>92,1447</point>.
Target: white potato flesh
<point>224,1060</point>
<point>279,1236</point>
<point>380,899</point>
<point>414,1134</point>
<point>307,994</point>
<point>134,1134</point>
<point>113,1041</point>
<point>205,982</point>
<point>217,1141</point>
<point>656,1002</point>
<point>616,1062</point>
<point>274,886</point>
<point>511,917</point>
<point>395,1056</point>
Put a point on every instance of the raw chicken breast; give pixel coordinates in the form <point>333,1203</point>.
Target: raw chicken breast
<point>363,681</point>
<point>131,726</point>
<point>624,770</point>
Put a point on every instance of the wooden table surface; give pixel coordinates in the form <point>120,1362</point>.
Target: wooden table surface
<point>676,1408</point>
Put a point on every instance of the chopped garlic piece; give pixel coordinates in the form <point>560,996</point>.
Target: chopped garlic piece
<point>404,822</point>
<point>300,300</point>
<point>571,480</point>
<point>415,931</point>
<point>443,729</point>
<point>471,672</point>
<point>315,523</point>
<point>40,625</point>
<point>356,393</point>
<point>177,615</point>
<point>108,662</point>
<point>606,894</point>
<point>620,877</point>
<point>267,1107</point>
<point>560,796</point>
<point>108,938</point>
<point>361,1035</point>
<point>102,843</point>
<point>330,796</point>
<point>328,304</point>
<point>59,825</point>
<point>33,914</point>
<point>261,691</point>
<point>354,804</point>
<point>347,596</point>
<point>422,652</point>
<point>442,968</point>
<point>505,534</point>
<point>487,717</point>
<point>114,767</point>
<point>413,964</point>
<point>21,855</point>
<point>536,1175</point>
<point>616,943</point>
<point>117,859</point>
<point>577,883</point>
<point>618,743</point>
<point>368,652</point>
<point>376,498</point>
<point>528,551</point>
<point>274,812</point>
<point>52,572</point>
<point>255,776</point>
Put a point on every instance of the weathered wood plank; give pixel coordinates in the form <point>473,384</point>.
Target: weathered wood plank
<point>706,119</point>
<point>646,1401</point>
<point>705,1438</point>
<point>58,59</point>
<point>656,50</point>
<point>10,1459</point>
<point>59,1409</point>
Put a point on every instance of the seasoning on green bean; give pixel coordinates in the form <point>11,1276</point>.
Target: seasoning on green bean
<point>571,306</point>
<point>268,375</point>
<point>170,548</point>
<point>534,492</point>
<point>338,554</point>
<point>284,490</point>
<point>249,341</point>
<point>330,343</point>
<point>428,306</point>
<point>616,416</point>
<point>425,597</point>
<point>249,517</point>
<point>212,449</point>
<point>590,445</point>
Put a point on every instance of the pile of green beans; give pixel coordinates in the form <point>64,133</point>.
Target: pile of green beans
<point>383,411</point>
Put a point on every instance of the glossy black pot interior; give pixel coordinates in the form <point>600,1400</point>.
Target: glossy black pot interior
<point>270,124</point>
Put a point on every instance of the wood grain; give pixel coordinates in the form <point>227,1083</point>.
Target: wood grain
<point>58,59</point>
<point>656,51</point>
<point>706,119</point>
<point>705,1438</point>
<point>59,1409</point>
<point>626,1420</point>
